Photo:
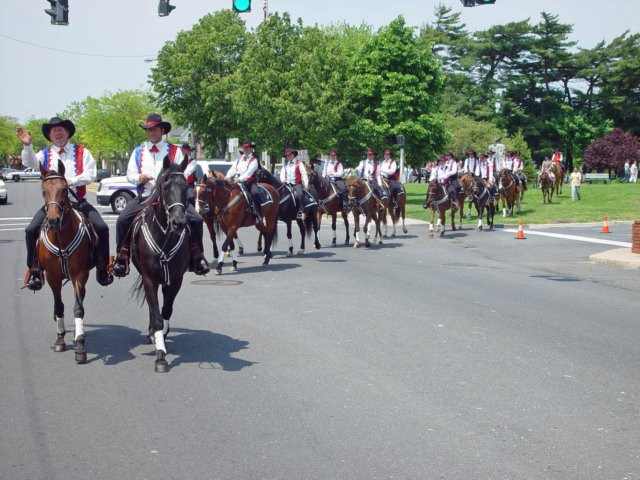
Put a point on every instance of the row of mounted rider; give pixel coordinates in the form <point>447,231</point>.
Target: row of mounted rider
<point>300,194</point>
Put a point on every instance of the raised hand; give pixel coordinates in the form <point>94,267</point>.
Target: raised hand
<point>25,137</point>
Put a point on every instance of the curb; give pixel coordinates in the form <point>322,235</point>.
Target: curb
<point>618,257</point>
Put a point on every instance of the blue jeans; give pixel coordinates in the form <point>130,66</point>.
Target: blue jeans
<point>575,192</point>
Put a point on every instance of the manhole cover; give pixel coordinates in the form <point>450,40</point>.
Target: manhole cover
<point>219,283</point>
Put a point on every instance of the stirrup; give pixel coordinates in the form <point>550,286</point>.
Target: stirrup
<point>104,277</point>
<point>33,279</point>
<point>201,267</point>
<point>120,267</point>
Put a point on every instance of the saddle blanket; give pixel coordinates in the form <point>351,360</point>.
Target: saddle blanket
<point>265,196</point>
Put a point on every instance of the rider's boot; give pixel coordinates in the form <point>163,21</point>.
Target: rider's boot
<point>121,264</point>
<point>103,275</point>
<point>33,279</point>
<point>453,200</point>
<point>257,213</point>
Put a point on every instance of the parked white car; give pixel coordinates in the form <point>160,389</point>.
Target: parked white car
<point>26,174</point>
<point>3,193</point>
<point>115,191</point>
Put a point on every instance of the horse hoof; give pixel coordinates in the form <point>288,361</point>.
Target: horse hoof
<point>441,234</point>
<point>393,235</point>
<point>405,230</point>
<point>81,357</point>
<point>162,366</point>
<point>259,249</point>
<point>217,271</point>
<point>479,229</point>
<point>234,268</point>
<point>385,235</point>
<point>227,253</point>
<point>289,254</point>
<point>356,245</point>
<point>301,252</point>
<point>367,244</point>
<point>59,347</point>
<point>379,242</point>
<point>333,244</point>
<point>241,251</point>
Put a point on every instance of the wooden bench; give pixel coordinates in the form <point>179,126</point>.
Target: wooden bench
<point>594,177</point>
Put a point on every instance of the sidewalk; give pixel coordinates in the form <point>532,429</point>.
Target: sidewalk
<point>618,257</point>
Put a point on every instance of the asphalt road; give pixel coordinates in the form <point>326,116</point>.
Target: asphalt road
<point>476,356</point>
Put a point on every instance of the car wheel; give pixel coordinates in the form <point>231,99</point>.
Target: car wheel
<point>16,178</point>
<point>119,201</point>
<point>3,201</point>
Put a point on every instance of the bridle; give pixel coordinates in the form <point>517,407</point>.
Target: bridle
<point>65,202</point>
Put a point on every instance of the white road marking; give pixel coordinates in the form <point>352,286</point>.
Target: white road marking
<point>573,237</point>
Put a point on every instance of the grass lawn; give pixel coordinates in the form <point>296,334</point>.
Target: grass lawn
<point>616,201</point>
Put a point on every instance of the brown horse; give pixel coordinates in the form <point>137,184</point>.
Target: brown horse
<point>229,205</point>
<point>330,203</point>
<point>511,194</point>
<point>477,190</point>
<point>437,199</point>
<point>547,186</point>
<point>362,201</point>
<point>64,253</point>
<point>395,209</point>
<point>558,172</point>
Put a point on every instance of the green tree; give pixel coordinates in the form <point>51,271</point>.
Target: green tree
<point>110,125</point>
<point>194,77</point>
<point>394,89</point>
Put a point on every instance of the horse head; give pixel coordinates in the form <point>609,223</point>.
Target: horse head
<point>55,190</point>
<point>432,193</point>
<point>354,187</point>
<point>172,188</point>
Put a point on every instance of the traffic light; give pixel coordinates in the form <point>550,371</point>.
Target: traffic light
<point>59,12</point>
<point>164,8</point>
<point>242,6</point>
<point>473,3</point>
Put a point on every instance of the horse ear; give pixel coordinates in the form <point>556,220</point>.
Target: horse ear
<point>166,162</point>
<point>61,167</point>
<point>43,172</point>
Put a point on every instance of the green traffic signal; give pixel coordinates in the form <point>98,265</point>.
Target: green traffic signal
<point>242,6</point>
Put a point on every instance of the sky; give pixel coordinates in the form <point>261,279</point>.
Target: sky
<point>114,37</point>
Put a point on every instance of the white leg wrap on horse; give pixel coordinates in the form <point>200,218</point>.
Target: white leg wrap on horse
<point>234,255</point>
<point>60,325</point>
<point>439,222</point>
<point>165,329</point>
<point>79,327</point>
<point>430,227</point>
<point>334,234</point>
<point>159,338</point>
<point>479,222</point>
<point>239,243</point>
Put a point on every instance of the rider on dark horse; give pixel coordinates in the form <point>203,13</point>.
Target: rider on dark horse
<point>470,162</point>
<point>485,169</point>
<point>294,173</point>
<point>389,171</point>
<point>333,170</point>
<point>145,164</point>
<point>369,170</point>
<point>80,170</point>
<point>191,179</point>
<point>243,173</point>
<point>518,169</point>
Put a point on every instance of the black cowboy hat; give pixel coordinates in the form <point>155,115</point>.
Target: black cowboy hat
<point>186,146</point>
<point>334,152</point>
<point>155,120</point>
<point>58,122</point>
<point>247,143</point>
<point>289,150</point>
<point>371,150</point>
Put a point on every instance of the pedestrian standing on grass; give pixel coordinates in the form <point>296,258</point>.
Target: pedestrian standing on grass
<point>576,180</point>
<point>633,170</point>
<point>627,172</point>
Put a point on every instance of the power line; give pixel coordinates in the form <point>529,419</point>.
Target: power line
<point>75,53</point>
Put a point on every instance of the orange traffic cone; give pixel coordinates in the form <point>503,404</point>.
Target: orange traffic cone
<point>520,234</point>
<point>605,226</point>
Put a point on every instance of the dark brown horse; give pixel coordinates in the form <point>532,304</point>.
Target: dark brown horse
<point>547,186</point>
<point>558,173</point>
<point>330,203</point>
<point>476,190</point>
<point>229,206</point>
<point>437,199</point>
<point>162,251</point>
<point>511,194</point>
<point>64,253</point>
<point>362,201</point>
<point>395,209</point>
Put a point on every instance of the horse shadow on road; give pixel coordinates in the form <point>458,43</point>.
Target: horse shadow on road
<point>206,349</point>
<point>111,344</point>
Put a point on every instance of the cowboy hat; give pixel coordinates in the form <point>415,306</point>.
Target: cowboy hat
<point>155,120</point>
<point>289,150</point>
<point>58,122</point>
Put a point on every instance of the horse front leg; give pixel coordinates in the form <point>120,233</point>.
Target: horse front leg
<point>156,325</point>
<point>208,220</point>
<point>58,313</point>
<point>303,234</point>
<point>334,218</point>
<point>227,244</point>
<point>442,221</point>
<point>356,229</point>
<point>289,239</point>
<point>316,229</point>
<point>169,293</point>
<point>433,212</point>
<point>365,228</point>
<point>345,218</point>
<point>79,292</point>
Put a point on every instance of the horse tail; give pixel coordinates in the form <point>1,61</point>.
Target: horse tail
<point>137,291</point>
<point>274,239</point>
<point>216,227</point>
<point>308,222</point>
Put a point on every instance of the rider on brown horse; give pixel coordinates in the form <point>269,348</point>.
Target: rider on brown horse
<point>243,173</point>
<point>145,164</point>
<point>389,171</point>
<point>369,170</point>
<point>446,173</point>
<point>485,169</point>
<point>80,170</point>
<point>333,170</point>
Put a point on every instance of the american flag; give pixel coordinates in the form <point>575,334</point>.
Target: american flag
<point>264,9</point>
